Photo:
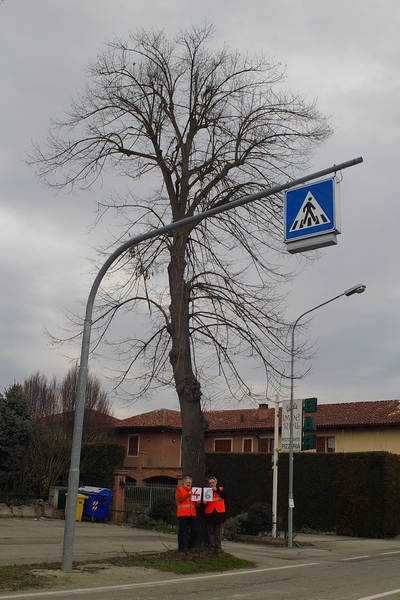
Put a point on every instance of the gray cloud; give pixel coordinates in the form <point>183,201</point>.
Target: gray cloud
<point>345,53</point>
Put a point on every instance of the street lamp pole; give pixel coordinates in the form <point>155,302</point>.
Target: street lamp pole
<point>356,289</point>
<point>275,470</point>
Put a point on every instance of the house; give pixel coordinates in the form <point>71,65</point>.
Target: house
<point>153,440</point>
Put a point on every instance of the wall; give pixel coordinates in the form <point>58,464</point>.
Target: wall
<point>156,449</point>
<point>33,510</point>
<point>365,439</point>
<point>356,439</point>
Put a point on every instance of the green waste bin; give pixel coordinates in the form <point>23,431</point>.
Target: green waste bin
<point>79,506</point>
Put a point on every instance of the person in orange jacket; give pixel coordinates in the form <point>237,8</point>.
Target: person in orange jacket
<point>215,515</point>
<point>187,514</point>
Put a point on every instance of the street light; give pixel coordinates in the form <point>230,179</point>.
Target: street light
<point>356,289</point>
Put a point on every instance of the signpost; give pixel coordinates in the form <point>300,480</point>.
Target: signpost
<point>304,429</point>
<point>297,425</point>
<point>309,441</point>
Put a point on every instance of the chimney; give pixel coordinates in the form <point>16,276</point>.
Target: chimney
<point>262,412</point>
<point>163,416</point>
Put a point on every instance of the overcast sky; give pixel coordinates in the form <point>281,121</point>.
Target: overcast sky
<point>345,53</point>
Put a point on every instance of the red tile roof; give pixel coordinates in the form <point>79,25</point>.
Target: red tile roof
<point>249,418</point>
<point>156,418</point>
<point>349,414</point>
<point>380,412</point>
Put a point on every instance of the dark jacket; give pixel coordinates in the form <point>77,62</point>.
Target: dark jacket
<point>215,516</point>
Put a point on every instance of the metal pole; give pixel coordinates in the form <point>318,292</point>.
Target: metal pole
<point>73,482</point>
<point>357,289</point>
<point>275,470</point>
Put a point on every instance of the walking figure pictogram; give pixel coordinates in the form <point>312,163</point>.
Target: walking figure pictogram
<point>309,215</point>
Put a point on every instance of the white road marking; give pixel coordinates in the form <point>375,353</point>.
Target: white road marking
<point>382,595</point>
<point>128,586</point>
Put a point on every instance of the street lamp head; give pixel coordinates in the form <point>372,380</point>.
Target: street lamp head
<point>356,289</point>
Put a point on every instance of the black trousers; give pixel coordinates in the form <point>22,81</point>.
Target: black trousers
<point>186,523</point>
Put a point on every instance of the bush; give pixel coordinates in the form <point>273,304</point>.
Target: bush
<point>144,521</point>
<point>162,509</point>
<point>138,519</point>
<point>235,526</point>
<point>134,507</point>
<point>259,518</point>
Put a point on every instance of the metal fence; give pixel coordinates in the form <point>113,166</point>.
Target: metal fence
<point>139,498</point>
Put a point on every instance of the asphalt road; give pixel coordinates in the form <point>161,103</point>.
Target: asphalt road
<point>332,568</point>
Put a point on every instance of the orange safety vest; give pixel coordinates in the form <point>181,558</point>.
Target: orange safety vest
<point>187,508</point>
<point>218,503</point>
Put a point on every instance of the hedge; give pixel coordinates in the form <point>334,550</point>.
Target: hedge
<point>98,463</point>
<point>356,494</point>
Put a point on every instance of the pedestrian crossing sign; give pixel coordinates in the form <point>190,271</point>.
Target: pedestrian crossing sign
<point>312,215</point>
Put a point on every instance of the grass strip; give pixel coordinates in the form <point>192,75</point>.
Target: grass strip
<point>198,560</point>
<point>19,577</point>
<point>23,577</point>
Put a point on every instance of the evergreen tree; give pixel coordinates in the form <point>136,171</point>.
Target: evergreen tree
<point>16,426</point>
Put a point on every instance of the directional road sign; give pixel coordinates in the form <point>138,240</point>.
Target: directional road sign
<point>312,213</point>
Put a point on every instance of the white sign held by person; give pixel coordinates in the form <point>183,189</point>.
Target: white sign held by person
<point>196,494</point>
<point>208,494</point>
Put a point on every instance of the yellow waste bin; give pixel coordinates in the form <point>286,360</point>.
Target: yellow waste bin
<point>79,506</point>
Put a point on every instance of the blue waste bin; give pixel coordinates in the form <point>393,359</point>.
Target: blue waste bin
<point>98,502</point>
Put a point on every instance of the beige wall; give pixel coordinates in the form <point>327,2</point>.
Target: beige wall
<point>363,439</point>
<point>358,439</point>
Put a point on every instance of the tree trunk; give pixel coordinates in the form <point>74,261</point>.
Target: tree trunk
<point>186,383</point>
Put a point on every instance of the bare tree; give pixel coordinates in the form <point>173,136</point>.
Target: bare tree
<point>198,127</point>
<point>96,397</point>
<point>52,404</point>
<point>98,422</point>
<point>42,395</point>
<point>58,395</point>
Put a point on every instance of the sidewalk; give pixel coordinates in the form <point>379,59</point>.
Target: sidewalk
<point>32,541</point>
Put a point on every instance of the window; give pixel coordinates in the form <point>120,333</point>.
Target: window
<point>133,445</point>
<point>330,444</point>
<point>223,445</point>
<point>248,445</point>
<point>325,444</point>
<point>266,445</point>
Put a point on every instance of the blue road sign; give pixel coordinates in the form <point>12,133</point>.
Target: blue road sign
<point>311,210</point>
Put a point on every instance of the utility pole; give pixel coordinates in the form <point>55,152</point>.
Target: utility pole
<point>275,469</point>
